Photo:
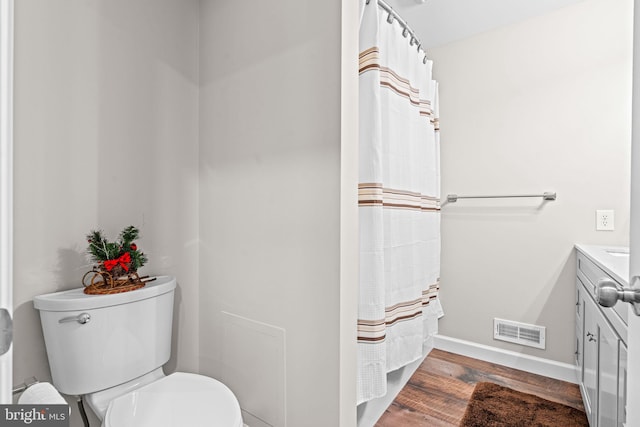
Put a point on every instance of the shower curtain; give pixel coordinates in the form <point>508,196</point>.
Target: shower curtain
<point>399,202</point>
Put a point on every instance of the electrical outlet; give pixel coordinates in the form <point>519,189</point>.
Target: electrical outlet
<point>604,220</point>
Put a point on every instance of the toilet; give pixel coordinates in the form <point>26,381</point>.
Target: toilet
<point>110,349</point>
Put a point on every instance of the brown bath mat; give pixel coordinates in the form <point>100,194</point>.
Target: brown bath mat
<point>492,405</point>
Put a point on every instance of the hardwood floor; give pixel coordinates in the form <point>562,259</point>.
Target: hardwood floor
<point>438,392</point>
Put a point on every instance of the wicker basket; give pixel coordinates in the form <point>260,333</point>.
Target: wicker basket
<point>99,281</point>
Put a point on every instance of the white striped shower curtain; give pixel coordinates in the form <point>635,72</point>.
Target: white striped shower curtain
<point>399,203</point>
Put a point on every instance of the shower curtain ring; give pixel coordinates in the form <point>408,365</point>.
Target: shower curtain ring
<point>413,41</point>
<point>419,46</point>
<point>405,32</point>
<point>424,61</point>
<point>390,18</point>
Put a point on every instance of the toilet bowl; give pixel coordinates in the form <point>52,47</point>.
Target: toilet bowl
<point>179,399</point>
<point>110,349</point>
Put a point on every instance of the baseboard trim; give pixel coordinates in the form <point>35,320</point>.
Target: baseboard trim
<point>511,359</point>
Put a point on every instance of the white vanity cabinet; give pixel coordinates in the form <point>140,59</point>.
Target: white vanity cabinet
<point>601,352</point>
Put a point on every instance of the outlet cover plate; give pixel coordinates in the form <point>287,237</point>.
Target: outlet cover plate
<point>604,220</point>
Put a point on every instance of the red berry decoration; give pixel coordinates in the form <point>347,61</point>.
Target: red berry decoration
<point>134,247</point>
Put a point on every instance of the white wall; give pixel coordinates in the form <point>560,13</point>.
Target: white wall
<point>542,105</point>
<point>106,107</point>
<point>257,215</point>
<point>270,205</point>
<point>349,247</point>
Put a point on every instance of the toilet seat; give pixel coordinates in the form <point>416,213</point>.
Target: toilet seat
<point>179,399</point>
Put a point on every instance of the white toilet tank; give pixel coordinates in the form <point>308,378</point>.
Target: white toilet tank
<point>99,341</point>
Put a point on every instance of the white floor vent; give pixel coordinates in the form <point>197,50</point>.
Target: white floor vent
<point>519,333</point>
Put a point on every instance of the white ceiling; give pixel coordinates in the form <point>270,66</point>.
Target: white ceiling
<point>438,22</point>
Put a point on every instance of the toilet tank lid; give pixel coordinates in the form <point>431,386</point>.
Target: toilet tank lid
<point>76,299</point>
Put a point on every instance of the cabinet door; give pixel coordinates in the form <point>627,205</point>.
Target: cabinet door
<point>622,386</point>
<point>579,350</point>
<point>608,343</point>
<point>590,361</point>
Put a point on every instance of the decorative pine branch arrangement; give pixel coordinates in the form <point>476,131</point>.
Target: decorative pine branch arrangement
<point>118,263</point>
<point>123,252</point>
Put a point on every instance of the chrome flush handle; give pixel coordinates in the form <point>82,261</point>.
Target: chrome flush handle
<point>80,318</point>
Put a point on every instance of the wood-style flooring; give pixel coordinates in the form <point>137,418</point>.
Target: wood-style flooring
<point>438,392</point>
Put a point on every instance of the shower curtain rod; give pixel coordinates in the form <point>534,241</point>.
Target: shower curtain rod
<point>407,31</point>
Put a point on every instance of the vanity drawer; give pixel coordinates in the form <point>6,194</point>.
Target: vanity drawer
<point>591,272</point>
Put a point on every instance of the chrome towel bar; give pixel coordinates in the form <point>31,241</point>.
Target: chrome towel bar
<point>452,198</point>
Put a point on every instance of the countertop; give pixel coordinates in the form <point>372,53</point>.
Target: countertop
<point>614,260</point>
